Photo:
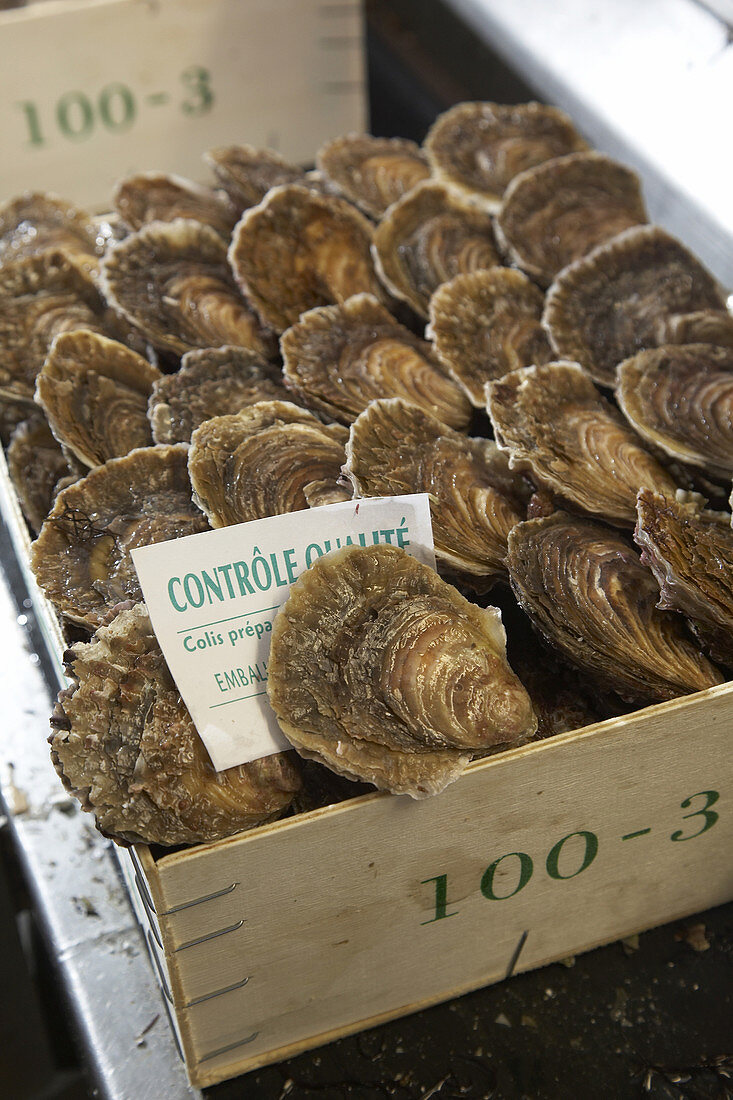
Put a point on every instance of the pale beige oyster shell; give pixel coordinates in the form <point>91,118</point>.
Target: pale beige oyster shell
<point>560,210</point>
<point>610,304</point>
<point>36,464</point>
<point>124,744</point>
<point>383,672</point>
<point>679,398</point>
<point>485,324</point>
<point>339,358</point>
<point>81,558</point>
<point>298,250</point>
<point>268,459</point>
<point>159,196</point>
<point>703,326</point>
<point>396,448</point>
<point>171,280</point>
<point>427,237</point>
<point>247,173</point>
<point>552,421</point>
<point>483,146</point>
<point>36,222</point>
<point>211,382</point>
<point>587,593</point>
<point>372,172</point>
<point>95,392</point>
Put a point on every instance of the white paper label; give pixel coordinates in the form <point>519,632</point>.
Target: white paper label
<point>212,598</point>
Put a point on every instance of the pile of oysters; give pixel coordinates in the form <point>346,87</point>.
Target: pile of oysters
<point>488,319</point>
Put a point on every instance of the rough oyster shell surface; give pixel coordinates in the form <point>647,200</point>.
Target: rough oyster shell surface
<point>372,172</point>
<point>247,173</point>
<point>36,464</point>
<point>158,196</point>
<point>36,222</point>
<point>702,326</point>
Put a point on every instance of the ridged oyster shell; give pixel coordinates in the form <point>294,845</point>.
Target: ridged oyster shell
<point>702,326</point>
<point>396,448</point>
<point>158,196</point>
<point>36,464</point>
<point>247,173</point>
<point>552,421</point>
<point>125,746</point>
<point>36,222</point>
<point>587,594</point>
<point>383,672</point>
<point>94,392</point>
<point>81,558</point>
<point>269,459</point>
<point>485,324</point>
<point>372,172</point>
<point>610,304</point>
<point>339,358</point>
<point>560,210</point>
<point>427,237</point>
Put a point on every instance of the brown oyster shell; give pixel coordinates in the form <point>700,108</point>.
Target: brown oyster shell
<point>247,173</point>
<point>609,305</point>
<point>429,236</point>
<point>560,210</point>
<point>339,358</point>
<point>485,324</point>
<point>211,382</point>
<point>81,558</point>
<point>94,392</point>
<point>395,448</point>
<point>263,461</point>
<point>483,146</point>
<point>158,196</point>
<point>690,552</point>
<point>36,222</point>
<point>553,422</point>
<point>298,250</point>
<point>372,172</point>
<point>125,746</point>
<point>679,398</point>
<point>36,464</point>
<point>384,672</point>
<point>588,595</point>
<point>702,326</point>
<point>171,280</point>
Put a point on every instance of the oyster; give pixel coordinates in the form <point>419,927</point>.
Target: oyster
<point>36,222</point>
<point>383,672</point>
<point>298,250</point>
<point>264,461</point>
<point>81,558</point>
<point>396,448</point>
<point>555,423</point>
<point>482,146</point>
<point>125,746</point>
<point>429,236</point>
<point>703,326</point>
<point>485,324</point>
<point>680,399</point>
<point>690,552</point>
<point>560,210</point>
<point>94,392</point>
<point>372,172</point>
<point>157,196</point>
<point>339,358</point>
<point>247,173</point>
<point>587,594</point>
<point>211,382</point>
<point>171,280</point>
<point>610,304</point>
<point>36,464</point>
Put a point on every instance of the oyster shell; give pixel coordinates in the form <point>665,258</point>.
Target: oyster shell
<point>384,672</point>
<point>211,382</point>
<point>703,326</point>
<point>339,358</point>
<point>81,558</point>
<point>94,392</point>
<point>264,461</point>
<point>396,448</point>
<point>482,146</point>
<point>690,552</point>
<point>609,305</point>
<point>587,594</point>
<point>298,250</point>
<point>555,423</point>
<point>372,172</point>
<point>247,173</point>
<point>171,280</point>
<point>680,399</point>
<point>125,746</point>
<point>429,236</point>
<point>485,324</point>
<point>36,464</point>
<point>560,210</point>
<point>157,196</point>
<point>36,222</point>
